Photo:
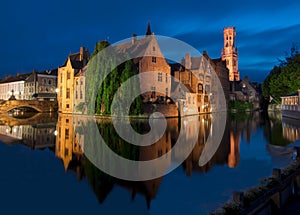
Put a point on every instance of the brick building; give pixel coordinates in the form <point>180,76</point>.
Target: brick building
<point>148,57</point>
<point>196,76</point>
<point>230,53</point>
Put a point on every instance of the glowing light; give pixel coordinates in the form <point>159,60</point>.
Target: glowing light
<point>55,132</point>
<point>56,90</point>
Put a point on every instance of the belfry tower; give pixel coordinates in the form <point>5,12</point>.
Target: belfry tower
<point>230,53</point>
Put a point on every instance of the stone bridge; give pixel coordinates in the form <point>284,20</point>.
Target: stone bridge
<point>39,106</point>
<point>37,118</point>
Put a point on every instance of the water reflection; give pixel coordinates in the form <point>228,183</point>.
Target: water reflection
<point>67,136</point>
<point>36,131</point>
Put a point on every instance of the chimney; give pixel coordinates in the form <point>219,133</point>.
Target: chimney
<point>188,61</point>
<point>81,54</point>
<point>133,39</point>
<point>205,54</point>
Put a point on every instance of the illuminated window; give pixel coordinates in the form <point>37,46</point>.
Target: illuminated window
<point>67,133</point>
<point>160,77</point>
<point>200,88</point>
<point>68,93</point>
<point>153,92</point>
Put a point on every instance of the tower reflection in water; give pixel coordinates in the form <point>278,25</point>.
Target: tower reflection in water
<point>65,134</point>
<point>71,139</point>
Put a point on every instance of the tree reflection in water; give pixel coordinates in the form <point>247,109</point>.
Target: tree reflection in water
<point>69,145</point>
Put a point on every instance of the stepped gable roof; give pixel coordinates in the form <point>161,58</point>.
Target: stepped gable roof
<point>195,62</point>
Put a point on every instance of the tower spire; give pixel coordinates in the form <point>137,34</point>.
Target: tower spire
<point>148,32</point>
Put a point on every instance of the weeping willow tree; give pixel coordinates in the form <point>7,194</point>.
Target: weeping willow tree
<point>102,69</point>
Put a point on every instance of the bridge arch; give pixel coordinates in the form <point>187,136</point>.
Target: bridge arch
<point>35,109</point>
<point>39,106</point>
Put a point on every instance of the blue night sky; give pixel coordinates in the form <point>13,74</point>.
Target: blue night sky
<point>40,34</point>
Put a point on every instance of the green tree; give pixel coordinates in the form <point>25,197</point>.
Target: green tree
<point>283,79</point>
<point>103,66</point>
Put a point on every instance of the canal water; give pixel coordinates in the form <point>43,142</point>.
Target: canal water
<point>47,167</point>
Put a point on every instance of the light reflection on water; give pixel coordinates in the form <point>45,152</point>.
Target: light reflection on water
<point>60,173</point>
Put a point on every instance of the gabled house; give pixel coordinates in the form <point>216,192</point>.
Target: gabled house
<point>66,79</point>
<point>196,77</point>
<point>147,56</point>
<point>245,91</point>
<point>41,85</point>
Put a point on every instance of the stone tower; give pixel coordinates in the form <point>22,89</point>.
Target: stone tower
<point>230,53</point>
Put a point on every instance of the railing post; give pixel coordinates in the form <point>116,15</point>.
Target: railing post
<point>238,197</point>
<point>277,174</point>
<point>297,149</point>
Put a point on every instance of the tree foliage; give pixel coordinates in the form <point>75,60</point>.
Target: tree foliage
<point>113,79</point>
<point>283,79</point>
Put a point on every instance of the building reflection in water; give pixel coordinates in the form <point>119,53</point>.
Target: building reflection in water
<point>70,141</point>
<point>290,129</point>
<point>36,132</point>
<point>69,144</point>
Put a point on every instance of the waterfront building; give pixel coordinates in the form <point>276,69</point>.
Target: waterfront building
<point>230,53</point>
<point>151,60</point>
<point>290,105</point>
<point>222,73</point>
<point>245,91</point>
<point>79,91</point>
<point>196,76</point>
<point>12,87</point>
<point>66,79</point>
<point>41,85</point>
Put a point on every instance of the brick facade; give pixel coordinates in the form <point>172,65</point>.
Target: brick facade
<point>230,53</point>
